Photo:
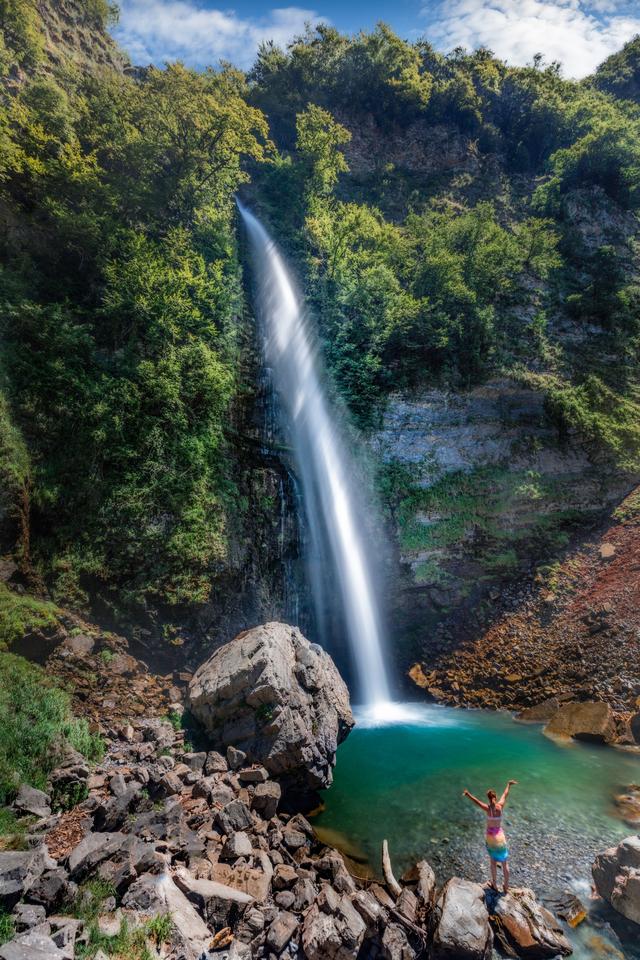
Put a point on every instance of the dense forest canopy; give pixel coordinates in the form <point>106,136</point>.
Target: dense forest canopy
<point>120,278</point>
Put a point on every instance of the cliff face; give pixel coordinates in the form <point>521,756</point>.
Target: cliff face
<point>76,33</point>
<point>480,491</point>
<point>483,488</point>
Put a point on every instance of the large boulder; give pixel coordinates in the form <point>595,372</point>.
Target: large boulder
<point>525,928</point>
<point>591,720</point>
<point>462,929</point>
<point>616,874</point>
<point>277,698</point>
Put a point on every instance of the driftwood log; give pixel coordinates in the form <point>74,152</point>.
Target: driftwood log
<point>390,880</point>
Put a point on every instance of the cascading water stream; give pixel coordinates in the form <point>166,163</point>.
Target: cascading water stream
<point>322,460</point>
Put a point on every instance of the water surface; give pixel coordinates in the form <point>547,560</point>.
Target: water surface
<point>403,780</point>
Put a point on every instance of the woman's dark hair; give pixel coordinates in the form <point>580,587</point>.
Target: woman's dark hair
<point>491,795</point>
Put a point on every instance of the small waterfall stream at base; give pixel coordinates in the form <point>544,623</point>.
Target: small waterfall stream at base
<point>324,467</point>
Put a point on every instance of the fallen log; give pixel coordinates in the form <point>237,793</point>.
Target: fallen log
<point>390,880</point>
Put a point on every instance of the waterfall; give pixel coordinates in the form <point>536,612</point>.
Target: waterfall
<point>322,461</point>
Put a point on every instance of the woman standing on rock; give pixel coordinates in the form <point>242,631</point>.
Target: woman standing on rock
<point>495,838</point>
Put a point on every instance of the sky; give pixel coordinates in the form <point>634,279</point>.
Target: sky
<point>578,33</point>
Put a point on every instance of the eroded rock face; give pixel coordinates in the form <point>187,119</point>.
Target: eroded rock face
<point>616,874</point>
<point>591,720</point>
<point>463,931</point>
<point>277,698</point>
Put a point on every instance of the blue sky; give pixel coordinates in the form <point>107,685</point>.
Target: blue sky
<point>579,33</point>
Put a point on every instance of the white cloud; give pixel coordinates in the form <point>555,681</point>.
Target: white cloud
<point>578,34</point>
<point>155,31</point>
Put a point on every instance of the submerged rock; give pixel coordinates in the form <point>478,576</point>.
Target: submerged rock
<point>278,699</point>
<point>616,874</point>
<point>628,805</point>
<point>462,928</point>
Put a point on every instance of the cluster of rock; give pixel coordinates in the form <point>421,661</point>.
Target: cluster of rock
<point>201,837</point>
<point>105,679</point>
<point>588,720</point>
<point>616,874</point>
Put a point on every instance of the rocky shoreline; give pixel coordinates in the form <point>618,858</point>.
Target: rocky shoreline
<point>200,837</point>
<point>190,853</point>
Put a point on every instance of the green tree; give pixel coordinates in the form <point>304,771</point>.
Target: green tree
<point>319,138</point>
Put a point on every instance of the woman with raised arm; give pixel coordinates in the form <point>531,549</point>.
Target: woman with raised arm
<point>495,838</point>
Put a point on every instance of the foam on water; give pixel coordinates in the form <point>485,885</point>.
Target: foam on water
<point>390,713</point>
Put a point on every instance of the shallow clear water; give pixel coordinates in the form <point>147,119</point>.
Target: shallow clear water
<point>403,780</point>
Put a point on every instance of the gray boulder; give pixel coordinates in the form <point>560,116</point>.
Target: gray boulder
<point>30,800</point>
<point>462,929</point>
<point>92,850</point>
<point>238,845</point>
<point>28,915</point>
<point>333,929</point>
<point>616,874</point>
<point>34,945</point>
<point>281,930</point>
<point>396,944</point>
<point>277,698</point>
<point>525,928</point>
<point>266,798</point>
<point>233,817</point>
<point>19,870</point>
<point>51,889</point>
<point>217,902</point>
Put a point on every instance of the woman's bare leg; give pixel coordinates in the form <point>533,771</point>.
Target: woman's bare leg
<point>505,874</point>
<point>494,873</point>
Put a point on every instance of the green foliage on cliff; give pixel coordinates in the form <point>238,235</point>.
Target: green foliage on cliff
<point>120,293</point>
<point>446,279</point>
<point>620,73</point>
<point>21,614</point>
<point>120,283</point>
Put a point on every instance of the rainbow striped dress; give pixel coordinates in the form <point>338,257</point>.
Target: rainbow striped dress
<point>496,840</point>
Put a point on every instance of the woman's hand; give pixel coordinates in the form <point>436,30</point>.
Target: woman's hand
<point>512,782</point>
<point>465,793</point>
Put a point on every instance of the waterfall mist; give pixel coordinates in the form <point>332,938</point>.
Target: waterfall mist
<point>324,466</point>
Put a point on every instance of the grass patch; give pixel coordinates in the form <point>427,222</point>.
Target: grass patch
<point>175,719</point>
<point>129,943</point>
<point>21,614</point>
<point>431,572</point>
<point>7,927</point>
<point>13,830</point>
<point>35,722</point>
